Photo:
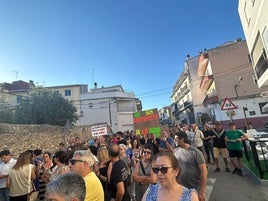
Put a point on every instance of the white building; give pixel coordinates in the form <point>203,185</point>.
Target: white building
<point>254,19</point>
<point>226,72</point>
<point>109,105</point>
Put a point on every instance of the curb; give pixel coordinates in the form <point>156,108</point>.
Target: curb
<point>254,177</point>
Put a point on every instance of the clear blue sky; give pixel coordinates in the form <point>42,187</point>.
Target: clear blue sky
<point>140,44</point>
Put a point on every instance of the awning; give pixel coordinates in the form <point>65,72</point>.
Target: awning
<point>265,108</point>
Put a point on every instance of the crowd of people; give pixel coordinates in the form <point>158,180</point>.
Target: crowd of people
<point>124,166</point>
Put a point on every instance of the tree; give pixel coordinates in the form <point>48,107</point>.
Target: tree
<point>6,112</point>
<point>5,109</point>
<point>45,107</point>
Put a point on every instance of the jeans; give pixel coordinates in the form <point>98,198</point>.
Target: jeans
<point>209,150</point>
<point>4,194</point>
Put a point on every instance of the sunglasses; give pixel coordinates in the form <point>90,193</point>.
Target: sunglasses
<point>73,161</point>
<point>163,170</point>
<point>147,152</point>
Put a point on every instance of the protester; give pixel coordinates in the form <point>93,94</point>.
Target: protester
<point>43,178</point>
<point>117,175</point>
<point>144,139</point>
<point>234,140</point>
<point>219,146</point>
<point>167,170</point>
<point>142,174</point>
<point>82,163</point>
<point>136,152</point>
<point>104,160</point>
<point>66,187</point>
<point>186,129</point>
<point>166,143</point>
<point>37,160</point>
<point>124,157</point>
<point>192,166</point>
<point>7,163</point>
<point>62,147</point>
<point>135,158</point>
<point>154,142</point>
<point>208,143</point>
<point>198,137</point>
<point>60,159</point>
<point>20,178</point>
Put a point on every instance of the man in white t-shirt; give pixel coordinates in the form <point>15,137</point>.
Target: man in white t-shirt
<point>7,163</point>
<point>198,137</point>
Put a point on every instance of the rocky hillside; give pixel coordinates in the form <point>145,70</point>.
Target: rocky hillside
<point>18,138</point>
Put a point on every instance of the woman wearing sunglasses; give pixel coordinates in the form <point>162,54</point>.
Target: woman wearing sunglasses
<point>142,174</point>
<point>167,170</point>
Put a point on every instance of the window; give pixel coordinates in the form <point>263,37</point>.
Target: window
<point>67,92</point>
<point>252,113</point>
<point>262,65</point>
<point>264,107</point>
<point>259,57</point>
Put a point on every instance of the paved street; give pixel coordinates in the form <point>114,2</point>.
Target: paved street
<point>223,186</point>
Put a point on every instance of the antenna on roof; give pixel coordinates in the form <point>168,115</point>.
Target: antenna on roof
<point>16,74</point>
<point>92,71</point>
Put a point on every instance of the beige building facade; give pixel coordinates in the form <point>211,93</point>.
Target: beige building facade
<point>226,72</point>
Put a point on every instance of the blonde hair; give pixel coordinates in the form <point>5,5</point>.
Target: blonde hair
<point>103,155</point>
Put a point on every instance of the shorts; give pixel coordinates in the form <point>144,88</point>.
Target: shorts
<point>235,153</point>
<point>218,151</point>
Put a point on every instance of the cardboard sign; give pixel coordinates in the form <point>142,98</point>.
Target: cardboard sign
<point>146,122</point>
<point>98,130</point>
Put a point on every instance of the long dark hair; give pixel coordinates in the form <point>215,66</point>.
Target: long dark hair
<point>138,143</point>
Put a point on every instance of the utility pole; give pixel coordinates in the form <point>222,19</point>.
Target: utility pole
<point>245,115</point>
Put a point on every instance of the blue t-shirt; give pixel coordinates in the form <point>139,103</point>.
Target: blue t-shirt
<point>153,190</point>
<point>170,141</point>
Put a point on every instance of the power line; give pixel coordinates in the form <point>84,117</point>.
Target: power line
<point>156,90</point>
<point>148,96</point>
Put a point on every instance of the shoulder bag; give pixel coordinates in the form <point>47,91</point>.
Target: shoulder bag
<point>32,195</point>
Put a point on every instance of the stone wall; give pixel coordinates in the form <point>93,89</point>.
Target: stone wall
<point>18,137</point>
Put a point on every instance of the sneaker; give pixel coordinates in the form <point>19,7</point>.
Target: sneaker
<point>227,169</point>
<point>239,172</point>
<point>217,169</point>
<point>235,171</point>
